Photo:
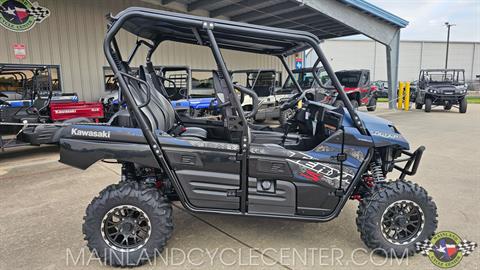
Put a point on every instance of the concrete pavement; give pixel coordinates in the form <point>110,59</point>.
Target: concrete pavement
<point>43,202</point>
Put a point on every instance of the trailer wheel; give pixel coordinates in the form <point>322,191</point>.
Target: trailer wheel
<point>428,104</point>
<point>372,104</point>
<point>395,216</point>
<point>463,105</point>
<point>128,224</point>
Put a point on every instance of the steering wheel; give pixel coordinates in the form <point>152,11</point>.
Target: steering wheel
<point>293,101</point>
<point>243,90</point>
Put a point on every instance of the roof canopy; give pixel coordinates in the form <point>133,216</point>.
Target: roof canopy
<point>158,25</point>
<point>294,14</point>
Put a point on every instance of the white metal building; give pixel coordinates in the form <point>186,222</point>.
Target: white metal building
<point>414,55</point>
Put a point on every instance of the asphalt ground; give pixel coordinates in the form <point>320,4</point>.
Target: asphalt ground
<point>42,203</point>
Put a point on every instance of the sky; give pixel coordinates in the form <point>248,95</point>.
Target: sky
<point>427,17</point>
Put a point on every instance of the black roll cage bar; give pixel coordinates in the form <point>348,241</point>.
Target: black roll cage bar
<point>197,24</point>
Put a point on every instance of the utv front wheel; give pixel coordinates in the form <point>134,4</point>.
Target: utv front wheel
<point>285,115</point>
<point>354,103</point>
<point>339,104</point>
<point>396,216</point>
<point>372,104</point>
<point>428,105</point>
<point>463,105</point>
<point>128,224</point>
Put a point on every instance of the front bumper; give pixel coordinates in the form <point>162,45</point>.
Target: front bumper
<point>440,99</point>
<point>412,162</point>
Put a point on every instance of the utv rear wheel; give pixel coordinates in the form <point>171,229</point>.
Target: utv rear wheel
<point>447,107</point>
<point>428,105</point>
<point>372,104</point>
<point>418,106</point>
<point>128,224</point>
<point>396,216</point>
<point>463,105</point>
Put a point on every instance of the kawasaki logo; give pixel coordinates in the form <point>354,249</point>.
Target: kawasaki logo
<point>65,111</point>
<point>91,133</point>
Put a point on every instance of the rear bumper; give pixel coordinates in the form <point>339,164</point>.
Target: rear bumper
<point>37,135</point>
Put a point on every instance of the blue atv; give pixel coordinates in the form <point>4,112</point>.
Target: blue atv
<point>306,171</point>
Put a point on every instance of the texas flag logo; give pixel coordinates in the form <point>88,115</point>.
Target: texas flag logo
<point>445,251</point>
<point>21,15</point>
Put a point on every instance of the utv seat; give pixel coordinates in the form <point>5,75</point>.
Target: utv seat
<point>159,111</point>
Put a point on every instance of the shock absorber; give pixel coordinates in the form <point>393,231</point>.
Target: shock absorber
<point>377,172</point>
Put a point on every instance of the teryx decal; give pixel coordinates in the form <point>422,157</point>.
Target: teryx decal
<point>317,171</point>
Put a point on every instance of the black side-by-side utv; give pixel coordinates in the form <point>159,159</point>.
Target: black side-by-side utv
<point>307,171</point>
<point>441,87</point>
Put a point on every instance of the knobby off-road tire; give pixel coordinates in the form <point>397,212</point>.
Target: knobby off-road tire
<point>354,103</point>
<point>428,105</point>
<point>372,104</point>
<point>374,213</point>
<point>339,104</point>
<point>285,115</point>
<point>149,211</point>
<point>463,105</point>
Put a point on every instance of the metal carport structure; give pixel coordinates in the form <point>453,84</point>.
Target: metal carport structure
<point>324,18</point>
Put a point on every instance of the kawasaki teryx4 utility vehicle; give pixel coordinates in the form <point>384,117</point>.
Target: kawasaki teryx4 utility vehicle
<point>305,172</point>
<point>32,106</point>
<point>441,87</point>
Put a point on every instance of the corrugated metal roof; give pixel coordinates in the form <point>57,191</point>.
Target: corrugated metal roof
<point>292,14</point>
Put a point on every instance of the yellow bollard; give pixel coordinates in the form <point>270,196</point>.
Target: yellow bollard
<point>407,96</point>
<point>400,95</point>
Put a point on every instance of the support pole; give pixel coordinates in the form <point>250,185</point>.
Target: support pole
<point>393,49</point>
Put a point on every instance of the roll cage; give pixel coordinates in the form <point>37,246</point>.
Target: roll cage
<point>454,76</point>
<point>156,26</point>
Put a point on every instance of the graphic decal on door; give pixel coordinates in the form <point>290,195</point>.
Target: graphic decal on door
<point>318,171</point>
